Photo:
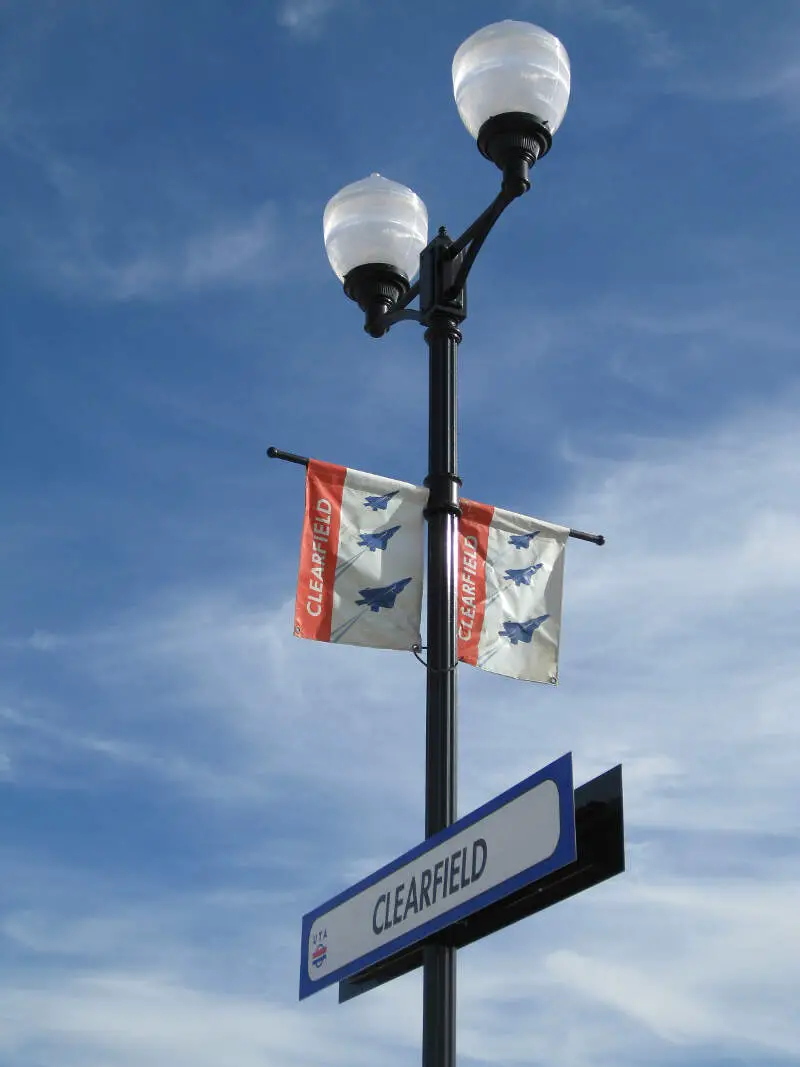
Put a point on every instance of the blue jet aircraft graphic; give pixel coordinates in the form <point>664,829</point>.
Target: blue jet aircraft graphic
<point>378,540</point>
<point>521,631</point>
<point>523,540</point>
<point>384,597</point>
<point>380,503</point>
<point>524,575</point>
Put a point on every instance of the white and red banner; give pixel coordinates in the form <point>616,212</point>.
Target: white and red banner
<point>511,576</point>
<point>361,574</point>
<point>361,559</point>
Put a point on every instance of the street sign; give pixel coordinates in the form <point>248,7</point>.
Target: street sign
<point>515,839</point>
<point>600,838</point>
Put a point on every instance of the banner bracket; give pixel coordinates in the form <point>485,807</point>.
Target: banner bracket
<point>302,461</point>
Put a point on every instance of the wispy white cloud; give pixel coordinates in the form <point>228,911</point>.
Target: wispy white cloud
<point>107,235</point>
<point>305,17</point>
<point>241,252</point>
<point>115,975</point>
<point>650,42</point>
<point>780,86</point>
<point>42,753</point>
<point>768,74</point>
<point>722,57</point>
<point>672,1013</point>
<point>276,710</point>
<point>75,258</point>
<point>128,1019</point>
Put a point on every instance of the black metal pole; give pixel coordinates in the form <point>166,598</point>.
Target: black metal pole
<point>441,779</point>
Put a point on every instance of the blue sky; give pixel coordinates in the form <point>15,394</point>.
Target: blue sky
<point>181,779</point>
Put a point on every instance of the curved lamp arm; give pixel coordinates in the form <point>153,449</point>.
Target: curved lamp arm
<point>471,240</point>
<point>444,268</point>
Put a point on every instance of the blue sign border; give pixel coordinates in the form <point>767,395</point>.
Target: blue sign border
<point>559,771</point>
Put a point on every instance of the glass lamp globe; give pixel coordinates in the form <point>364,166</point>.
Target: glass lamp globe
<point>375,221</point>
<point>511,67</point>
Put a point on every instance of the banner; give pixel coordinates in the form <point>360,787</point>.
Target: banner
<point>511,575</point>
<point>361,559</point>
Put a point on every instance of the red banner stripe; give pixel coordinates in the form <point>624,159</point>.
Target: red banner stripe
<point>319,550</point>
<point>473,529</point>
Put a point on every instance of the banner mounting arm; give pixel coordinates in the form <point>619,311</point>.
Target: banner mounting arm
<point>292,457</point>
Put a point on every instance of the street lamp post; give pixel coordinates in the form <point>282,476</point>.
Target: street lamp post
<point>511,82</point>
